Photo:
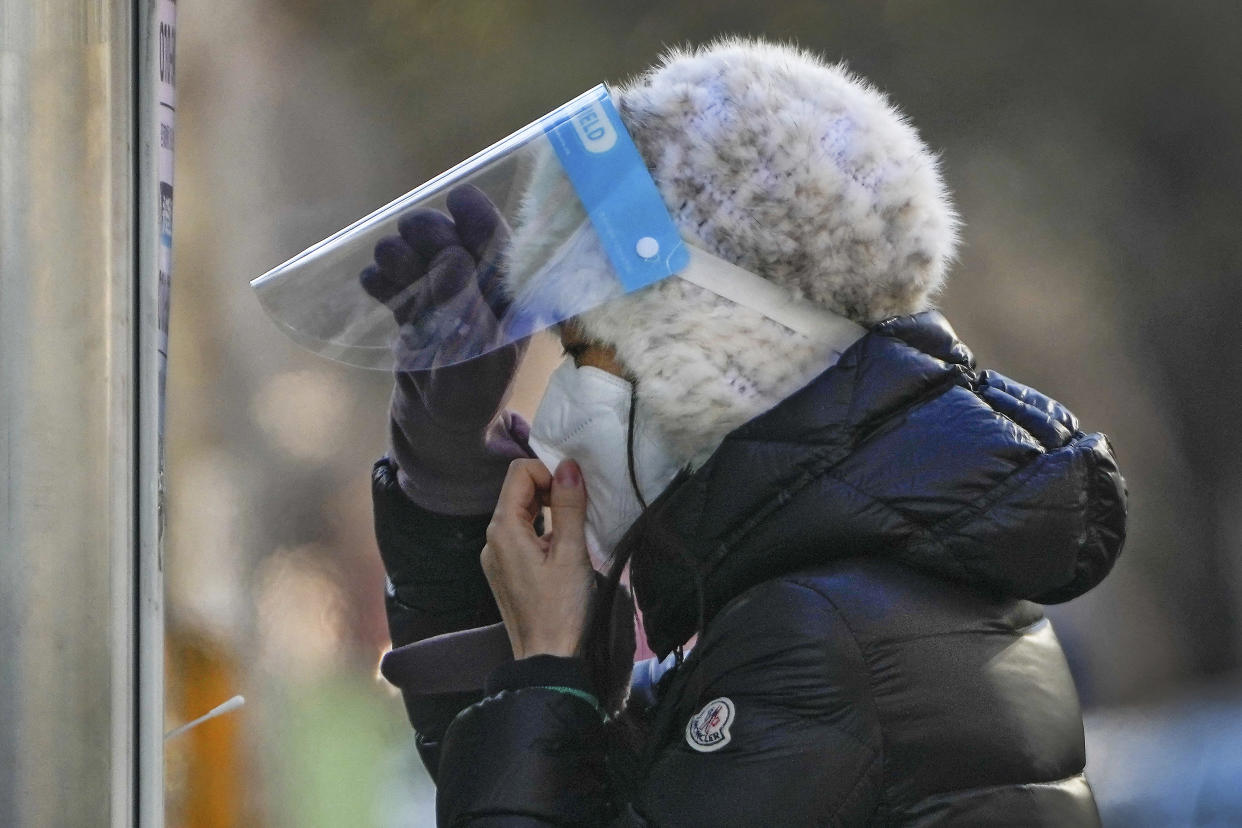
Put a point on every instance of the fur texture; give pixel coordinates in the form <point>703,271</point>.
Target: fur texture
<point>768,157</point>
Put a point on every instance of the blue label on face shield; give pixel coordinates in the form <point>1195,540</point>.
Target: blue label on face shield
<point>594,129</point>
<point>614,186</point>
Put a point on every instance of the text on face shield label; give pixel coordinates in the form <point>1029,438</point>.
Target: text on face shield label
<point>594,129</point>
<point>615,188</point>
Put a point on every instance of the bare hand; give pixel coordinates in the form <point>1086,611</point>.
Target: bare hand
<point>544,586</point>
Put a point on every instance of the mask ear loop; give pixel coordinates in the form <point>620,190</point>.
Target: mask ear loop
<point>629,459</point>
<point>629,444</point>
<point>679,652</point>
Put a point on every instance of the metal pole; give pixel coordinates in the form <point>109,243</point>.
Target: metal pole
<point>81,695</point>
<point>157,106</point>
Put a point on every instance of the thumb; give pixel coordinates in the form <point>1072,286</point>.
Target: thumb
<point>568,506</point>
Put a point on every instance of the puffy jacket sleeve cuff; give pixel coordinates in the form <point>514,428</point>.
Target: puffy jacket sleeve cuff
<point>528,753</point>
<point>435,582</point>
<point>549,672</point>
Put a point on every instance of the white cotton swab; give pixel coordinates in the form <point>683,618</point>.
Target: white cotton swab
<point>228,707</point>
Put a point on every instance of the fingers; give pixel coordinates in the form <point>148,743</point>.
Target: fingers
<point>477,219</point>
<point>377,284</point>
<point>511,537</point>
<point>393,278</point>
<point>427,232</point>
<point>543,587</point>
<point>525,491</point>
<point>430,279</point>
<point>450,272</point>
<point>394,256</point>
<point>393,271</point>
<point>483,232</point>
<point>567,503</point>
<point>403,298</point>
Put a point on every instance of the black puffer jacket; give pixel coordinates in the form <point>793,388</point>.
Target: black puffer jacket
<point>866,557</point>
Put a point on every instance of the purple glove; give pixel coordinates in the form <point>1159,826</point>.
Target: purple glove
<point>451,441</point>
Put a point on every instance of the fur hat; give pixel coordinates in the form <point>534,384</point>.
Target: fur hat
<point>787,166</point>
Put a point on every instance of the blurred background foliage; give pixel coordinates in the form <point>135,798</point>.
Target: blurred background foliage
<point>1092,148</point>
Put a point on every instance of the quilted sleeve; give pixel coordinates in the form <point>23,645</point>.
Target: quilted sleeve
<point>435,585</point>
<point>769,722</point>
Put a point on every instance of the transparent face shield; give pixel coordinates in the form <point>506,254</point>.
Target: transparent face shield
<point>550,222</point>
<point>428,280</point>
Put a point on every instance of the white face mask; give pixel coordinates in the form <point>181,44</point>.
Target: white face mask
<point>585,416</point>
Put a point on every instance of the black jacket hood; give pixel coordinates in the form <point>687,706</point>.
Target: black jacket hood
<point>902,449</point>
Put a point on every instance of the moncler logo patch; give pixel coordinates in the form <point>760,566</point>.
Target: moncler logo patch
<point>708,729</point>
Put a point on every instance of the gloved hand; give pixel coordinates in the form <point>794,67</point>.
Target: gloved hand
<point>451,441</point>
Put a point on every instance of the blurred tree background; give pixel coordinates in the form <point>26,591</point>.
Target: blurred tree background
<point>1092,148</point>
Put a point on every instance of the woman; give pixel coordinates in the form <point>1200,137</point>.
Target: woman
<point>858,536</point>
